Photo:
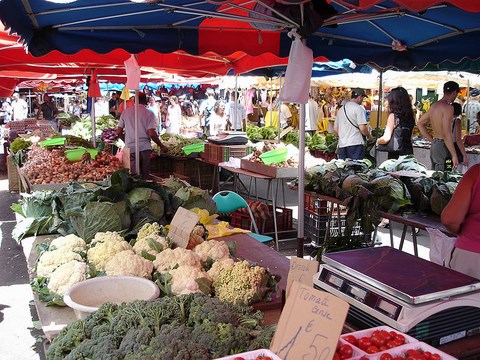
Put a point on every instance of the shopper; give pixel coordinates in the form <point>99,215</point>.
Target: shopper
<point>49,111</point>
<point>19,108</point>
<point>401,115</point>
<point>146,134</point>
<point>462,216</point>
<point>457,134</point>
<point>440,117</point>
<point>218,121</point>
<point>311,116</point>
<point>351,126</point>
<point>235,112</point>
<point>471,110</point>
<point>174,116</point>
<point>206,110</point>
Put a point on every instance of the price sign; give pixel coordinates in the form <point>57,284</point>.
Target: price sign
<point>301,270</point>
<point>310,324</point>
<point>181,226</point>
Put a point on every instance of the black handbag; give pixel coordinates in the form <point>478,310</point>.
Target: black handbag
<point>395,143</point>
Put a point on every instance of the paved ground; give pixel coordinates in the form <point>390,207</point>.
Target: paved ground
<point>20,339</point>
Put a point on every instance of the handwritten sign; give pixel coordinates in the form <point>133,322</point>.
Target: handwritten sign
<point>310,324</point>
<point>181,226</point>
<point>301,270</point>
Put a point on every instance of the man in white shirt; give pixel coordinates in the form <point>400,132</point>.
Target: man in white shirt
<point>351,126</point>
<point>311,116</point>
<point>19,107</point>
<point>285,115</point>
<point>235,112</point>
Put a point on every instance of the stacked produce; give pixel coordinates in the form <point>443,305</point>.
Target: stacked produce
<point>175,143</point>
<point>367,191</point>
<point>255,133</point>
<point>51,166</point>
<point>186,327</point>
<point>83,127</point>
<point>109,135</point>
<point>291,161</point>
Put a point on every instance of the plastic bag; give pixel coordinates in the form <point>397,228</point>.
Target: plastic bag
<point>441,246</point>
<point>133,73</point>
<point>298,74</point>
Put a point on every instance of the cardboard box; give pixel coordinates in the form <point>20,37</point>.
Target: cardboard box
<point>269,170</point>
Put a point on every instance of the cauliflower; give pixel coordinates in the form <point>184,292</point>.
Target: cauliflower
<point>50,260</point>
<point>107,236</point>
<point>168,259</point>
<point>219,266</point>
<point>215,250</point>
<point>152,245</point>
<point>129,263</point>
<point>148,229</point>
<point>66,275</point>
<point>102,252</point>
<point>184,280</point>
<point>70,242</point>
<point>242,283</point>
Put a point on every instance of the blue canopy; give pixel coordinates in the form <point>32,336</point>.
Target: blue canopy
<point>385,35</point>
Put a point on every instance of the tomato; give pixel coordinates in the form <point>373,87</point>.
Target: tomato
<point>263,357</point>
<point>351,339</point>
<point>337,356</point>
<point>372,349</point>
<point>345,351</point>
<point>435,357</point>
<point>239,358</point>
<point>378,339</point>
<point>400,338</point>
<point>386,356</point>
<point>364,342</point>
<point>385,334</point>
<point>427,355</point>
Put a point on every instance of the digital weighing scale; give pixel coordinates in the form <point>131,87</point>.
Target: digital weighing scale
<point>229,138</point>
<point>385,286</point>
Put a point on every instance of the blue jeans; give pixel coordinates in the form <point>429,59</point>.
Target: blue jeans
<point>354,152</point>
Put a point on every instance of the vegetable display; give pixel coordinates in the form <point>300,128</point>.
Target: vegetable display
<point>185,327</point>
<point>255,133</point>
<point>175,143</point>
<point>51,166</point>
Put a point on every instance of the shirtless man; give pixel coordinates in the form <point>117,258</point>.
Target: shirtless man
<point>440,116</point>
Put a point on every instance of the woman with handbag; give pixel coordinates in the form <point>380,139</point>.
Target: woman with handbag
<point>397,138</point>
<point>457,134</point>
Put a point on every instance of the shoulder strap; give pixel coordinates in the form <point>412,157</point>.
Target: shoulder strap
<point>350,121</point>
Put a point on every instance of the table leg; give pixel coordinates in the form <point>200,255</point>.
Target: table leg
<point>414,240</point>
<point>274,213</point>
<point>402,239</point>
<point>390,230</point>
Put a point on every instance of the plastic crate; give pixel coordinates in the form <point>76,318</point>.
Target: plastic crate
<point>222,153</point>
<point>242,220</point>
<point>326,220</point>
<point>13,176</point>
<point>252,355</point>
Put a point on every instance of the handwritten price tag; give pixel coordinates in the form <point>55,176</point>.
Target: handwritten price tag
<point>301,270</point>
<point>310,324</point>
<point>181,226</point>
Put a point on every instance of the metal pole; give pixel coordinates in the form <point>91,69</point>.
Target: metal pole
<point>92,115</point>
<point>137,145</point>
<point>301,182</point>
<point>379,112</point>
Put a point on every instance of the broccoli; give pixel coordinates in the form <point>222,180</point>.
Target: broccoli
<point>102,318</point>
<point>135,340</point>
<point>68,339</point>
<point>263,338</point>
<point>221,338</point>
<point>203,309</point>
<point>102,348</point>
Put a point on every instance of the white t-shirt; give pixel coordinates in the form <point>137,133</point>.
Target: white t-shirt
<point>284,115</point>
<point>241,114</point>
<point>146,120</point>
<point>349,134</point>
<point>311,115</point>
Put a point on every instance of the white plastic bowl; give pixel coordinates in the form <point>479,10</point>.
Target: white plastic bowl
<point>87,296</point>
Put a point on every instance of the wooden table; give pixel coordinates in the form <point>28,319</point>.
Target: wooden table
<point>54,318</point>
<point>415,221</point>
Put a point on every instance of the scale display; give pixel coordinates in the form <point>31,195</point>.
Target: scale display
<point>405,276</point>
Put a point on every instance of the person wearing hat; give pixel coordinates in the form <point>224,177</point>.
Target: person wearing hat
<point>351,126</point>
<point>440,117</point>
<point>146,134</point>
<point>471,110</point>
